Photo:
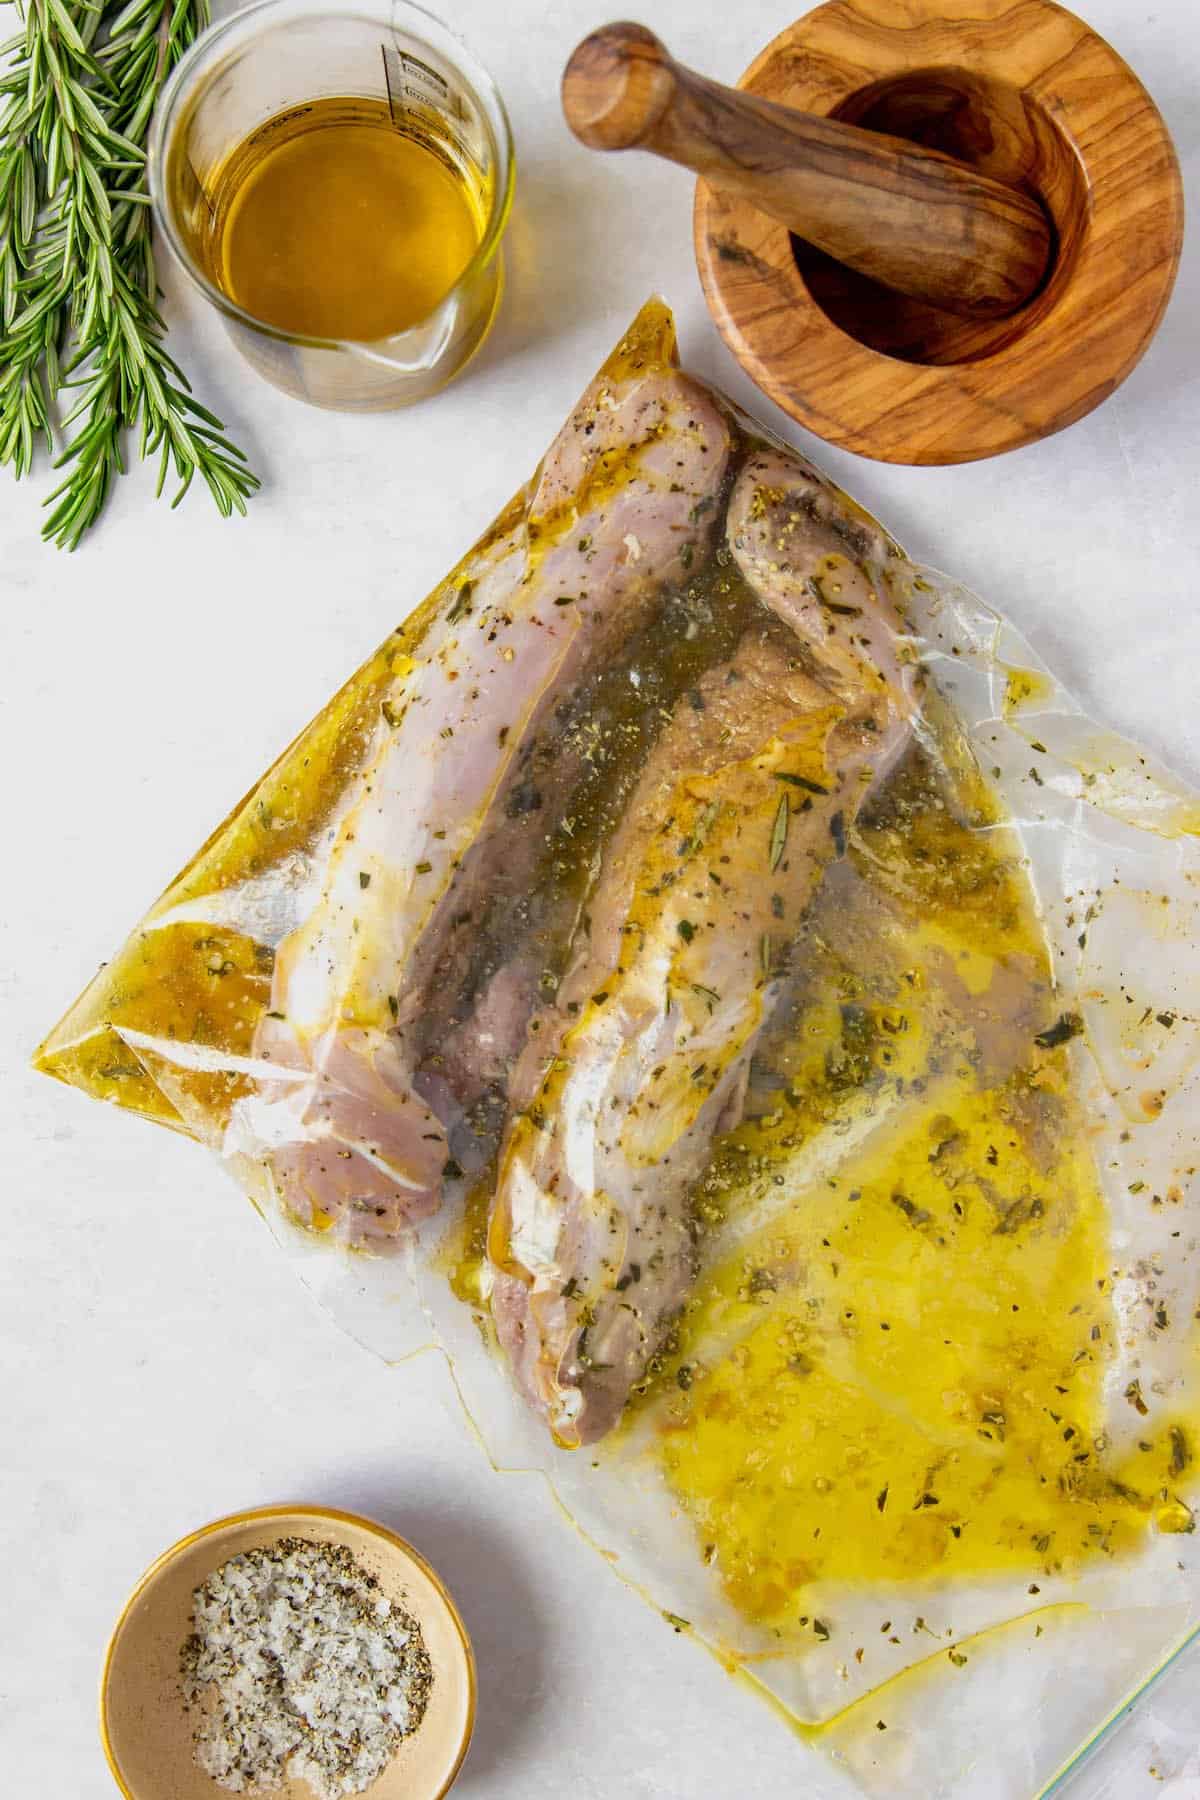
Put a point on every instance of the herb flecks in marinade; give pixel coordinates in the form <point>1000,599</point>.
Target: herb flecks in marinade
<point>604,731</point>
<point>899,1373</point>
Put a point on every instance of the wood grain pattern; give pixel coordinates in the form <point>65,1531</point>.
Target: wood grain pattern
<point>904,214</point>
<point>1028,94</point>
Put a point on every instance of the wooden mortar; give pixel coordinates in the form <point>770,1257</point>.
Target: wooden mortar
<point>891,299</point>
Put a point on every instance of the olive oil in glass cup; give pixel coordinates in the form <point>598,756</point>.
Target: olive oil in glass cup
<point>337,185</point>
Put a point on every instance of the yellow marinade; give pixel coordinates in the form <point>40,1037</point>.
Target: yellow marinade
<point>892,1365</point>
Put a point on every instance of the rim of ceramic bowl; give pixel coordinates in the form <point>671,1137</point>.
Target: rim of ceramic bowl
<point>300,1510</point>
<point>241,23</point>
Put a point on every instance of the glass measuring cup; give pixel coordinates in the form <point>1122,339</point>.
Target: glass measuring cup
<point>276,57</point>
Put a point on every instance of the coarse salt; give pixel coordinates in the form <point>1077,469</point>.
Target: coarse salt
<point>303,1668</point>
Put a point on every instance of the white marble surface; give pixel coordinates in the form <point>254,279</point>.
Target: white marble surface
<point>161,1364</point>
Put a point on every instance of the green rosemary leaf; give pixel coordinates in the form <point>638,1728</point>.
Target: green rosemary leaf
<point>66,26</point>
<point>189,472</point>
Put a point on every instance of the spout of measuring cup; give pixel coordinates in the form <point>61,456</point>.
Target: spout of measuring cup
<point>417,351</point>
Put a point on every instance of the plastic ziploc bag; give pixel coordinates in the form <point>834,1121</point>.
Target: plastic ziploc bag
<point>707,975</point>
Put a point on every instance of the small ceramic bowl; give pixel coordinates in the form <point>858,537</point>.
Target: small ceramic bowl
<point>145,1725</point>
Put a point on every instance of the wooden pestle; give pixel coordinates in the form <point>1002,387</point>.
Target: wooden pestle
<point>911,218</point>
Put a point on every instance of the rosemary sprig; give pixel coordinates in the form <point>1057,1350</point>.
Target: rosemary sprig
<point>78,292</point>
<point>28,345</point>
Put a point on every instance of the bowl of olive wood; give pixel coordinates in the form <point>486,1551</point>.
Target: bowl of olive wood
<point>146,1727</point>
<point>930,230</point>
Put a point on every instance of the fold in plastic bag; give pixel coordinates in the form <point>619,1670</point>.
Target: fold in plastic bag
<point>865,969</point>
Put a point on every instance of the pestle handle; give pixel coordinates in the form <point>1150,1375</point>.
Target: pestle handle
<point>915,220</point>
